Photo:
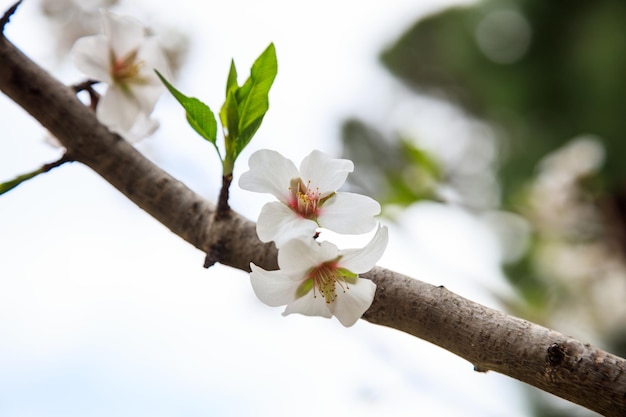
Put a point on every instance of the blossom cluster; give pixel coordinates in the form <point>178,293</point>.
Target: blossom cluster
<point>314,278</point>
<point>124,58</point>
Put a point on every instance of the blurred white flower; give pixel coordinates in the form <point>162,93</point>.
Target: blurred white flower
<point>143,127</point>
<point>318,279</point>
<point>124,58</point>
<point>64,8</point>
<point>308,197</point>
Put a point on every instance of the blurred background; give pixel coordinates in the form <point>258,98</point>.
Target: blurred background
<point>491,133</point>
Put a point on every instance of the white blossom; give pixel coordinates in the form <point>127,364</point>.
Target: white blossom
<point>318,279</point>
<point>124,58</point>
<point>307,198</point>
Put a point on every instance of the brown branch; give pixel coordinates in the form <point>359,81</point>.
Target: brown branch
<point>489,339</point>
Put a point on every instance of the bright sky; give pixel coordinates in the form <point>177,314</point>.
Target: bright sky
<point>104,312</point>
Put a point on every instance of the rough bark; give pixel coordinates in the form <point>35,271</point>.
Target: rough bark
<point>489,339</point>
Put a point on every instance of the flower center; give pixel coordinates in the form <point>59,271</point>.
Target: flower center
<point>326,277</point>
<point>304,200</point>
<point>125,68</point>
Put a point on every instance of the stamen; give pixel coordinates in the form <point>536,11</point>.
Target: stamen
<point>125,68</point>
<point>325,278</point>
<point>304,200</point>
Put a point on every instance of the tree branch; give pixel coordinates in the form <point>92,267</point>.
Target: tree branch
<point>489,339</point>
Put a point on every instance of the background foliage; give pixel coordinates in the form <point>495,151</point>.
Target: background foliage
<point>548,79</point>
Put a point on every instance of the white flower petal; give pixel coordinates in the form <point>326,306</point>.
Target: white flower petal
<point>143,127</point>
<point>273,288</point>
<point>310,304</point>
<point>362,260</point>
<point>324,172</point>
<point>350,305</point>
<point>349,213</point>
<point>151,52</point>
<point>270,172</point>
<point>118,109</point>
<point>133,88</point>
<point>124,32</point>
<point>326,251</point>
<point>147,86</point>
<point>298,256</point>
<point>146,95</point>
<point>91,57</point>
<point>279,223</point>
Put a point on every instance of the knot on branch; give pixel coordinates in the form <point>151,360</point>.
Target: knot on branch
<point>556,358</point>
<point>555,354</point>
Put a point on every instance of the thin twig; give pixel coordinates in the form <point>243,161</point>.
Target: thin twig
<point>84,85</point>
<point>64,159</point>
<point>9,185</point>
<point>94,96</point>
<point>223,208</point>
<point>222,214</point>
<point>7,16</point>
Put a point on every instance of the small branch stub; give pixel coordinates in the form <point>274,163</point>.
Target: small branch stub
<point>214,254</point>
<point>87,86</point>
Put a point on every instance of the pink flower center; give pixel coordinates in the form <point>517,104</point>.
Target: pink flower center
<point>325,278</point>
<point>125,68</point>
<point>304,200</point>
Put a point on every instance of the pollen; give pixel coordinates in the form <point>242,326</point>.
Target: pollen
<point>326,278</point>
<point>305,200</point>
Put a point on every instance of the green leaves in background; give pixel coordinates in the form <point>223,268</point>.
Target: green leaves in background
<point>394,171</point>
<point>199,115</point>
<point>242,111</point>
<point>246,105</point>
<point>567,80</point>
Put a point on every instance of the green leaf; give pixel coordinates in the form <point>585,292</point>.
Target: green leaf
<point>199,115</point>
<point>231,82</point>
<point>229,113</point>
<point>419,157</point>
<point>253,96</point>
<point>246,135</point>
<point>245,106</point>
<point>229,116</point>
